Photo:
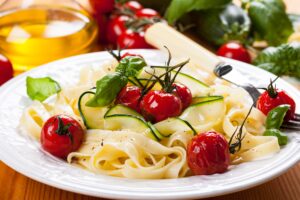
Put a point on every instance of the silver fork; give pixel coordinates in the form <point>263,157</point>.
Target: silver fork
<point>224,69</point>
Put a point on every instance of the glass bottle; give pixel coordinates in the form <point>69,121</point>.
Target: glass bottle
<point>33,32</point>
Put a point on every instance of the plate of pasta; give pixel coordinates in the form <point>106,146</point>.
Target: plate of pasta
<point>142,124</point>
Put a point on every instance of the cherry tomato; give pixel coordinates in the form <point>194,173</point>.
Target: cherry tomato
<point>159,105</point>
<point>130,54</point>
<point>184,93</point>
<point>61,135</point>
<point>6,69</point>
<point>130,96</point>
<point>267,101</point>
<point>208,153</point>
<point>102,6</point>
<point>102,23</point>
<point>133,40</point>
<point>147,13</point>
<point>133,6</point>
<point>116,26</point>
<point>235,51</point>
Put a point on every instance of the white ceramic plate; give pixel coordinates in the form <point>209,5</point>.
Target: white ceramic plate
<point>25,155</point>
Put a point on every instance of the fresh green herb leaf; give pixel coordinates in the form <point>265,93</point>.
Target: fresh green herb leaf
<point>282,138</point>
<point>283,60</point>
<point>178,8</point>
<point>41,88</point>
<point>270,21</point>
<point>275,116</point>
<point>107,89</point>
<point>130,66</point>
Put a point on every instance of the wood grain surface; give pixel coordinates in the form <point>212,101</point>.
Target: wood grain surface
<point>15,186</point>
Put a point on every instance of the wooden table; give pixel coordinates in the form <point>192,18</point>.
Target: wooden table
<point>15,186</point>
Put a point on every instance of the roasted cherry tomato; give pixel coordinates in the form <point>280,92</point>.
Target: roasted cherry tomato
<point>159,105</point>
<point>130,96</point>
<point>102,6</point>
<point>116,26</point>
<point>208,153</point>
<point>235,51</point>
<point>184,93</point>
<point>133,40</point>
<point>133,6</point>
<point>6,69</point>
<point>271,99</point>
<point>61,135</point>
<point>147,13</point>
<point>130,54</point>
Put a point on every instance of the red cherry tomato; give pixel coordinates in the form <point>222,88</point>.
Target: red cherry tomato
<point>130,54</point>
<point>6,69</point>
<point>102,23</point>
<point>133,40</point>
<point>130,96</point>
<point>235,51</point>
<point>147,13</point>
<point>266,103</point>
<point>208,153</point>
<point>133,6</point>
<point>116,26</point>
<point>102,6</point>
<point>61,135</point>
<point>159,105</point>
<point>184,93</point>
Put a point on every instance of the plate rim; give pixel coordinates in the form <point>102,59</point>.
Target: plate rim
<point>111,194</point>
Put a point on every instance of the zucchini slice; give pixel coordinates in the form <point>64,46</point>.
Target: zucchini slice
<point>121,109</point>
<point>207,113</point>
<point>129,122</point>
<point>196,100</point>
<point>171,125</point>
<point>92,117</point>
<point>197,87</point>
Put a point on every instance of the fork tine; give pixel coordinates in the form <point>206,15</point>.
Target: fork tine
<point>291,125</point>
<point>297,117</point>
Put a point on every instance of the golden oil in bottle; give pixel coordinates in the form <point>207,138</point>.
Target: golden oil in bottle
<point>36,35</point>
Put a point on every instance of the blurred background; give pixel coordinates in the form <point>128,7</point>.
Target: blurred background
<point>265,33</point>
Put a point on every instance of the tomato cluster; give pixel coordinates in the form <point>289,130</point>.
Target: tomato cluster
<point>155,105</point>
<point>123,25</point>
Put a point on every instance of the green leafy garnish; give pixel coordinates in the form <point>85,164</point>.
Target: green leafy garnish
<point>273,122</point>
<point>283,60</point>
<point>269,20</point>
<point>130,65</point>
<point>41,88</point>
<point>107,89</point>
<point>282,138</point>
<point>276,115</point>
<point>178,8</point>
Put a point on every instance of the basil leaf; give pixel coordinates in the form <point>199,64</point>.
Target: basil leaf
<point>283,60</point>
<point>276,115</point>
<point>107,89</point>
<point>270,21</point>
<point>282,138</point>
<point>131,65</point>
<point>178,8</point>
<point>41,88</point>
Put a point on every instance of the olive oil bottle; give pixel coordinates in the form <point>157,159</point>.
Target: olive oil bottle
<point>38,34</point>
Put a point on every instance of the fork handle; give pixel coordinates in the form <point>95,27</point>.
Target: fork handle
<point>160,35</point>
